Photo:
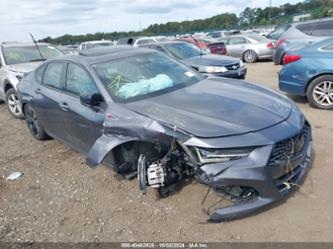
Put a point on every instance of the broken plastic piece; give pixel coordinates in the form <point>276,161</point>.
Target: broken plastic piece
<point>14,176</point>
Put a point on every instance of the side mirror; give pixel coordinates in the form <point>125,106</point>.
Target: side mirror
<point>93,100</point>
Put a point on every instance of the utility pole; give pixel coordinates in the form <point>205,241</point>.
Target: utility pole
<point>270,9</point>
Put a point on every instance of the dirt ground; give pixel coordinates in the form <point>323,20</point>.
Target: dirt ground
<point>60,199</point>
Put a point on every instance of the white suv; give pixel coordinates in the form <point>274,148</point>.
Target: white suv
<point>17,60</point>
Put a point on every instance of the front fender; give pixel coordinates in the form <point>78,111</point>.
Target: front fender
<point>102,147</point>
<point>124,126</point>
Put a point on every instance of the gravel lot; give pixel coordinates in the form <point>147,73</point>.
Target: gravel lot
<point>60,199</point>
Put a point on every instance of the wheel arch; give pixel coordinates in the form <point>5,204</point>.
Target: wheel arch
<point>7,85</point>
<point>129,152</point>
<point>316,77</point>
<point>105,148</point>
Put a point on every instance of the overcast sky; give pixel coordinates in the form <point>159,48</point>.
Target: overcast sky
<point>57,17</point>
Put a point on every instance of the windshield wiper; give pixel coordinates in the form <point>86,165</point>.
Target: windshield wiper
<point>41,59</point>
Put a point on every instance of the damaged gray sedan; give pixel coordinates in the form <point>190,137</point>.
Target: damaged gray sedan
<point>147,115</point>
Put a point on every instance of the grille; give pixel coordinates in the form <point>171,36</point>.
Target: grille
<point>233,66</point>
<point>291,148</point>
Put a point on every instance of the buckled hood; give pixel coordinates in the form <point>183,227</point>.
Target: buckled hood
<point>217,107</point>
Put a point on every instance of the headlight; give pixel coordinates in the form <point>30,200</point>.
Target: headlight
<point>241,63</point>
<point>222,155</point>
<point>212,69</point>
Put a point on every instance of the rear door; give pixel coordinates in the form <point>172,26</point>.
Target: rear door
<point>83,124</point>
<point>236,46</point>
<point>48,99</point>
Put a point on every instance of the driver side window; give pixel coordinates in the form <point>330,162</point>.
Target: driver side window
<point>79,82</point>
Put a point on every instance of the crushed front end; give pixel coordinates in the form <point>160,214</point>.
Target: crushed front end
<point>252,170</point>
<point>253,178</point>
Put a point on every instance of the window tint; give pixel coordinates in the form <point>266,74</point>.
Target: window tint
<point>54,75</point>
<point>79,82</point>
<point>237,40</point>
<point>39,73</point>
<point>317,29</point>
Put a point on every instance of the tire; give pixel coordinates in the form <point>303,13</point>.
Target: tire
<point>34,127</point>
<point>320,92</point>
<point>13,104</point>
<point>250,56</point>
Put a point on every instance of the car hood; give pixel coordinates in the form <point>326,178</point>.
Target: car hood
<point>25,67</point>
<point>217,107</point>
<point>211,60</point>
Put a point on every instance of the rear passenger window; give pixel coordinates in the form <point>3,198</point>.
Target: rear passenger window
<point>237,40</point>
<point>317,29</point>
<point>54,75</point>
<point>79,82</point>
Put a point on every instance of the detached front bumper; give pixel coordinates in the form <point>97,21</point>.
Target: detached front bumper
<point>272,183</point>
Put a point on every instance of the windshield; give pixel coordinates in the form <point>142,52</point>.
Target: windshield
<point>140,76</point>
<point>183,50</point>
<point>16,55</point>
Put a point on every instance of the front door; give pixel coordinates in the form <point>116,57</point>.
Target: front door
<point>83,124</point>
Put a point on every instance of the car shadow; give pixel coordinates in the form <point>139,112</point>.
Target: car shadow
<point>298,99</point>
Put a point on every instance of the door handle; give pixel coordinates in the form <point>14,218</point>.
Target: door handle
<point>38,91</point>
<point>64,106</point>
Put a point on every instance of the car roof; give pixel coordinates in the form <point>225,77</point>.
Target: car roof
<point>22,44</point>
<point>102,54</point>
<point>312,21</point>
<point>97,42</point>
<point>167,42</point>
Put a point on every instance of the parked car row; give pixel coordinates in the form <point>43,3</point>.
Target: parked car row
<point>146,114</point>
<point>298,34</point>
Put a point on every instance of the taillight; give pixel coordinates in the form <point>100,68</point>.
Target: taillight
<point>270,45</point>
<point>280,42</point>
<point>290,58</point>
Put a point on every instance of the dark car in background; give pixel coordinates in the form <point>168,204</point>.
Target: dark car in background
<point>302,33</point>
<point>141,112</point>
<point>309,72</point>
<point>208,64</point>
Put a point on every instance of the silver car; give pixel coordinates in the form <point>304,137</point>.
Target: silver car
<point>250,48</point>
<point>17,60</point>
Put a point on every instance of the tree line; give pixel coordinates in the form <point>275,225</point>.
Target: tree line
<point>248,18</point>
